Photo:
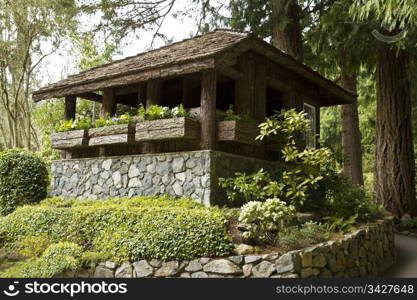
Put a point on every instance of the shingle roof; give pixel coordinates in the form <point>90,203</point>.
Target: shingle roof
<point>188,50</point>
<point>192,51</point>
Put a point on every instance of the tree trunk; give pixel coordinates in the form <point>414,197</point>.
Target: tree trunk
<point>287,37</point>
<point>394,161</point>
<point>351,136</point>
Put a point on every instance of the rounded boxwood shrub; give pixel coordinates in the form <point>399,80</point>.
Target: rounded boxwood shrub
<point>23,179</point>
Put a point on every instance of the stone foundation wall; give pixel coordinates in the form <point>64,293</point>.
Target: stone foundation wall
<point>190,174</point>
<point>366,253</point>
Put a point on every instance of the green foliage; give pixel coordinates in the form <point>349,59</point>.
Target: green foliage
<point>109,121</point>
<point>297,237</point>
<point>344,199</point>
<point>56,259</point>
<point>23,179</point>
<point>247,187</point>
<point>301,173</point>
<point>81,123</point>
<point>265,219</point>
<point>342,224</point>
<point>156,112</point>
<point>230,115</point>
<point>123,229</point>
<point>410,223</point>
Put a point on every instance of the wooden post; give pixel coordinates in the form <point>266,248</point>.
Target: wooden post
<point>187,93</point>
<point>109,104</point>
<point>208,110</point>
<point>154,92</point>
<point>259,109</point>
<point>153,97</point>
<point>142,94</point>
<point>70,107</point>
<point>69,114</point>
<point>245,86</point>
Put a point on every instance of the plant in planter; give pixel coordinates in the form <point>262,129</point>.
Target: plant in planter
<point>71,134</point>
<point>112,130</point>
<point>157,112</point>
<point>163,123</point>
<point>237,128</point>
<point>77,124</point>
<point>110,121</point>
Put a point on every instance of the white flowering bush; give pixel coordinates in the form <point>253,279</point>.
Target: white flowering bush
<point>265,219</point>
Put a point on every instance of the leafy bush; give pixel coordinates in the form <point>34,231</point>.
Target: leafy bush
<point>301,173</point>
<point>110,121</point>
<point>156,112</point>
<point>247,188</point>
<point>344,199</point>
<point>297,237</point>
<point>80,123</point>
<point>56,259</point>
<point>141,228</point>
<point>265,219</point>
<point>23,179</point>
<point>342,224</point>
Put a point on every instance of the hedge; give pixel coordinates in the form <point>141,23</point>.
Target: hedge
<point>140,228</point>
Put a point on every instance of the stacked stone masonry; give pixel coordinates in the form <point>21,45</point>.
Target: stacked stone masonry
<point>366,253</point>
<point>184,174</point>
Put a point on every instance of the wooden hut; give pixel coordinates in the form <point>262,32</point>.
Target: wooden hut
<point>205,74</point>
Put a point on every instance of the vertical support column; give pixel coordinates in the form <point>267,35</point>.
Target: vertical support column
<point>70,106</point>
<point>208,110</point>
<point>142,94</point>
<point>108,108</point>
<point>259,108</point>
<point>154,92</point>
<point>109,104</point>
<point>245,87</point>
<point>187,92</point>
<point>153,97</point>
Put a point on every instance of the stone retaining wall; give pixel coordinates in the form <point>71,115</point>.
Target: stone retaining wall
<point>190,174</point>
<point>366,253</point>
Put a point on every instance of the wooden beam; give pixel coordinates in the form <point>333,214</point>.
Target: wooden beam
<point>70,108</point>
<point>187,92</point>
<point>91,96</point>
<point>109,104</point>
<point>208,110</point>
<point>231,73</point>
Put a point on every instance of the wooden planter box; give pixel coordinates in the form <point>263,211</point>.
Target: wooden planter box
<point>237,131</point>
<point>111,135</point>
<point>167,129</point>
<point>70,139</point>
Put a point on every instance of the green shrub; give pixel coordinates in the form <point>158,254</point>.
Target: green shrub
<point>410,223</point>
<point>56,259</point>
<point>23,179</point>
<point>265,219</point>
<point>230,115</point>
<point>141,228</point>
<point>78,124</point>
<point>297,237</point>
<point>344,199</point>
<point>300,174</point>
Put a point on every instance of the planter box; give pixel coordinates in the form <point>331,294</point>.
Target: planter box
<point>237,131</point>
<point>70,139</point>
<point>111,135</point>
<point>167,129</point>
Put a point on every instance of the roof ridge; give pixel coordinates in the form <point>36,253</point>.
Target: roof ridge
<point>165,46</point>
